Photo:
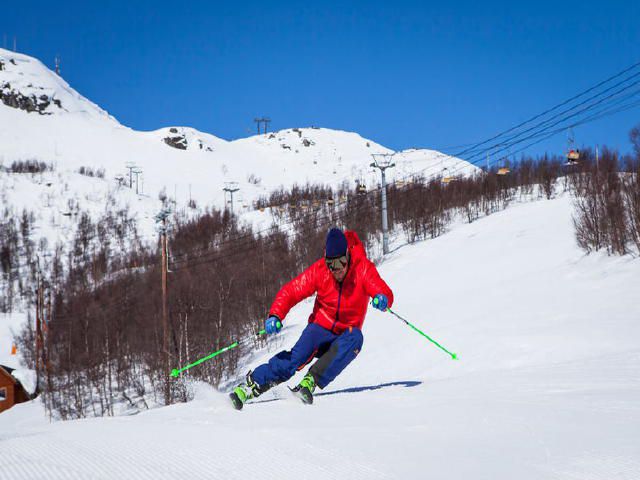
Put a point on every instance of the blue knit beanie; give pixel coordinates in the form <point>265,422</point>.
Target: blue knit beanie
<point>336,243</point>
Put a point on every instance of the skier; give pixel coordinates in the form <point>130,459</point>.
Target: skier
<point>343,282</point>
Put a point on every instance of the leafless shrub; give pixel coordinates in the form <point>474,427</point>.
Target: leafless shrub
<point>605,202</point>
<point>253,179</point>
<point>30,166</point>
<point>91,172</point>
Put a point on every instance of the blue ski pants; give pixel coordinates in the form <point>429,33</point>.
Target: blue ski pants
<point>334,352</point>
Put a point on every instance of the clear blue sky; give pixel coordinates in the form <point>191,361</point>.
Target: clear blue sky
<point>401,73</point>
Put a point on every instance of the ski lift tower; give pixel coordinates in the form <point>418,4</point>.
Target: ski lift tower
<point>231,188</point>
<point>382,161</point>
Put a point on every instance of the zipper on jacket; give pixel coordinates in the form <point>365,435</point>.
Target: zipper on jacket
<point>338,309</point>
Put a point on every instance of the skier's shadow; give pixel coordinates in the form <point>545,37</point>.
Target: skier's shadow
<point>406,384</point>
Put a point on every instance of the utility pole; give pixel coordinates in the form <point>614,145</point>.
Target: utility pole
<point>382,161</point>
<point>130,166</point>
<point>162,219</point>
<point>231,188</point>
<point>43,325</point>
<point>41,359</point>
<point>47,342</point>
<point>38,329</point>
<point>136,173</point>
<point>259,121</point>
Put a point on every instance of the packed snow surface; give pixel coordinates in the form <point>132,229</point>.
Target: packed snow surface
<point>547,385</point>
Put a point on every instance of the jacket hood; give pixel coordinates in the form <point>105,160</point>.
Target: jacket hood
<point>356,248</point>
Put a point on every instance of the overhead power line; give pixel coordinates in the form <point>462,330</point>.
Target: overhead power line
<point>542,128</point>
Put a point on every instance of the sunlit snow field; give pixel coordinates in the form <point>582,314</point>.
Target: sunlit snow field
<point>547,385</point>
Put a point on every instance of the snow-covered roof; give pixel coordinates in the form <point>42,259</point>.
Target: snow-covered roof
<point>24,377</point>
<point>27,379</point>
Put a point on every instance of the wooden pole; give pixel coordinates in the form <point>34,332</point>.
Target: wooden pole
<point>165,322</point>
<point>39,346</point>
<point>37,339</point>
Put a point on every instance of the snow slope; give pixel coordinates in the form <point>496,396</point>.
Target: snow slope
<point>547,385</point>
<point>76,133</point>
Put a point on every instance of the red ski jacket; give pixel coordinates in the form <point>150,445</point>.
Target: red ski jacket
<point>338,306</point>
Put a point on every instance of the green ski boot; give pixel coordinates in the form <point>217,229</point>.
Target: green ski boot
<point>304,390</point>
<point>243,392</point>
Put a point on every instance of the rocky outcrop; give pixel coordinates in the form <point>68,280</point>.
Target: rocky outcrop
<point>185,139</point>
<point>178,141</point>
<point>28,103</point>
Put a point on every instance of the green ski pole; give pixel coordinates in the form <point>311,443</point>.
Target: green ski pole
<point>177,371</point>
<point>454,356</point>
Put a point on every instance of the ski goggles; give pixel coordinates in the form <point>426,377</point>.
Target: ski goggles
<point>337,263</point>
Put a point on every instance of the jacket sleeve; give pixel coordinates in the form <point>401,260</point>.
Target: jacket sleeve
<point>374,284</point>
<point>293,292</point>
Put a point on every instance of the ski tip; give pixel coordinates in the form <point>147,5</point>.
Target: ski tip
<point>175,372</point>
<point>454,356</point>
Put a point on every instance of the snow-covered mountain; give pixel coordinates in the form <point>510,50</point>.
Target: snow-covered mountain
<point>26,84</point>
<point>547,385</point>
<point>43,118</point>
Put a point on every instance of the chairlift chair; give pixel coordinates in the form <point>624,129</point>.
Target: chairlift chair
<point>573,157</point>
<point>447,177</point>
